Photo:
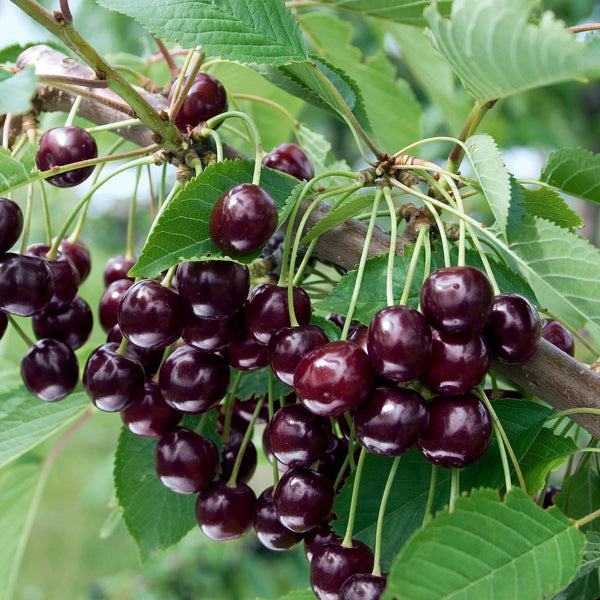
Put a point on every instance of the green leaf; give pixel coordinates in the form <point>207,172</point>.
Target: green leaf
<point>26,421</point>
<point>13,173</point>
<point>587,581</point>
<point>256,383</point>
<point>487,548</point>
<point>155,516</point>
<point>497,52</point>
<point>574,171</point>
<point>17,488</point>
<point>492,176</point>
<point>547,204</point>
<point>404,11</point>
<point>580,495</point>
<point>16,90</point>
<point>256,31</point>
<point>181,231</point>
<point>547,453</point>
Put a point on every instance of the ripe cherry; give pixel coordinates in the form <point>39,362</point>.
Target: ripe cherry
<point>269,530</point>
<point>79,254</point>
<point>556,333</point>
<point>117,267</point>
<point>72,324</point>
<point>109,302</point>
<point>11,224</point>
<point>290,159</point>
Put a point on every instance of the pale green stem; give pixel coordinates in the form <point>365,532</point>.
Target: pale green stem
<point>73,112</point>
<point>270,103</point>
<point>205,132</point>
<point>27,219</point>
<point>271,413</point>
<point>503,459</point>
<point>46,213</point>
<point>587,519</point>
<point>347,543</point>
<point>389,280</point>
<point>454,489</point>
<point>116,125</point>
<point>228,405</point>
<point>423,231</point>
<point>130,252</point>
<point>431,494</point>
<point>20,331</point>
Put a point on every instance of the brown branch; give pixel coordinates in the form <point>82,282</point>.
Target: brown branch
<point>551,375</point>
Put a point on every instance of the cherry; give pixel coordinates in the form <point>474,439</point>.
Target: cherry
<point>318,537</point>
<point>117,267</point>
<point>211,335</point>
<point>332,564</point>
<point>205,99</point>
<point>556,333</point>
<point>399,343</point>
<point>303,498</point>
<point>332,460</point>
<point>246,354</point>
<point>333,378</point>
<point>289,345</point>
<point>72,324</point>
<point>49,370</point>
<point>229,455</point>
<point>459,431</point>
<point>184,461</point>
<point>459,362</point>
<point>62,146</point>
<point>150,359</point>
<point>193,382</point>
<point>269,530</point>
<point>267,310</point>
<point>360,335</point>
<point>297,437</point>
<point>149,415</point>
<point>11,224</point>
<point>26,284</point>
<point>513,329</point>
<point>150,315</point>
<point>213,289</point>
<point>111,380</point>
<point>224,512</point>
<point>3,324</point>
<point>391,420</point>
<point>363,586</point>
<point>244,409</point>
<point>243,220</point>
<point>457,299</point>
<point>109,302</point>
<point>290,159</point>
<point>79,254</point>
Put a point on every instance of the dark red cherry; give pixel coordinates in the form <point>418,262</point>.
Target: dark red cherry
<point>72,324</point>
<point>109,302</point>
<point>269,530</point>
<point>213,289</point>
<point>290,159</point>
<point>333,378</point>
<point>332,460</point>
<point>399,343</point>
<point>11,224</point>
<point>243,220</point>
<point>117,267</point>
<point>49,370</point>
<point>363,586</point>
<point>391,420</point>
<point>318,537</point>
<point>459,362</point>
<point>303,498</point>
<point>244,409</point>
<point>332,564</point>
<point>266,310</point>
<point>229,456</point>
<point>150,315</point>
<point>211,335</point>
<point>457,299</point>
<point>225,512</point>
<point>111,380</point>
<point>150,359</point>
<point>246,354</point>
<point>79,254</point>
<point>184,461</point>
<point>289,345</point>
<point>149,415</point>
<point>62,146</point>
<point>459,431</point>
<point>556,333</point>
<point>513,329</point>
<point>360,335</point>
<point>205,99</point>
<point>297,437</point>
<point>193,382</point>
<point>26,284</point>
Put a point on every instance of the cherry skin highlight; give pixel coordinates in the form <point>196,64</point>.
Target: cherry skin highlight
<point>290,159</point>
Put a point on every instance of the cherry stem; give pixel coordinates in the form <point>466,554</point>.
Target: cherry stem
<point>240,455</point>
<point>270,103</point>
<point>379,527</point>
<point>574,411</point>
<point>427,267</point>
<point>129,251</point>
<point>573,331</point>
<point>588,518</point>
<point>173,68</point>
<point>583,27</point>
<point>122,349</point>
<point>414,259</point>
<point>340,475</point>
<point>347,543</point>
<point>27,219</point>
<point>6,130</point>
<point>112,126</point>
<point>228,405</point>
<point>389,280</point>
<point>193,61</point>
<point>60,80</point>
<point>20,331</point>
<point>66,11</point>
<point>361,265</point>
<point>271,401</point>
<point>177,186</point>
<point>454,489</point>
<point>206,132</point>
<point>46,212</point>
<point>431,494</point>
<point>503,459</point>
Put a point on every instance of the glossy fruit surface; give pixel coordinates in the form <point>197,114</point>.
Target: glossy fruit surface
<point>457,299</point>
<point>333,378</point>
<point>391,420</point>
<point>49,370</point>
<point>224,512</point>
<point>513,329</point>
<point>71,325</point>
<point>211,335</point>
<point>267,310</point>
<point>184,461</point>
<point>246,354</point>
<point>117,267</point>
<point>213,289</point>
<point>109,302</point>
<point>11,224</point>
<point>459,431</point>
<point>399,343</point>
<point>303,498</point>
<point>243,220</point>
<point>150,359</point>
<point>318,537</point>
<point>556,333</point>
<point>62,146</point>
<point>459,362</point>
<point>362,586</point>
<point>269,530</point>
<point>111,380</point>
<point>193,382</point>
<point>290,159</point>
<point>332,564</point>
<point>150,315</point>
<point>229,456</point>
<point>205,99</point>
<point>79,254</point>
<point>26,284</point>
